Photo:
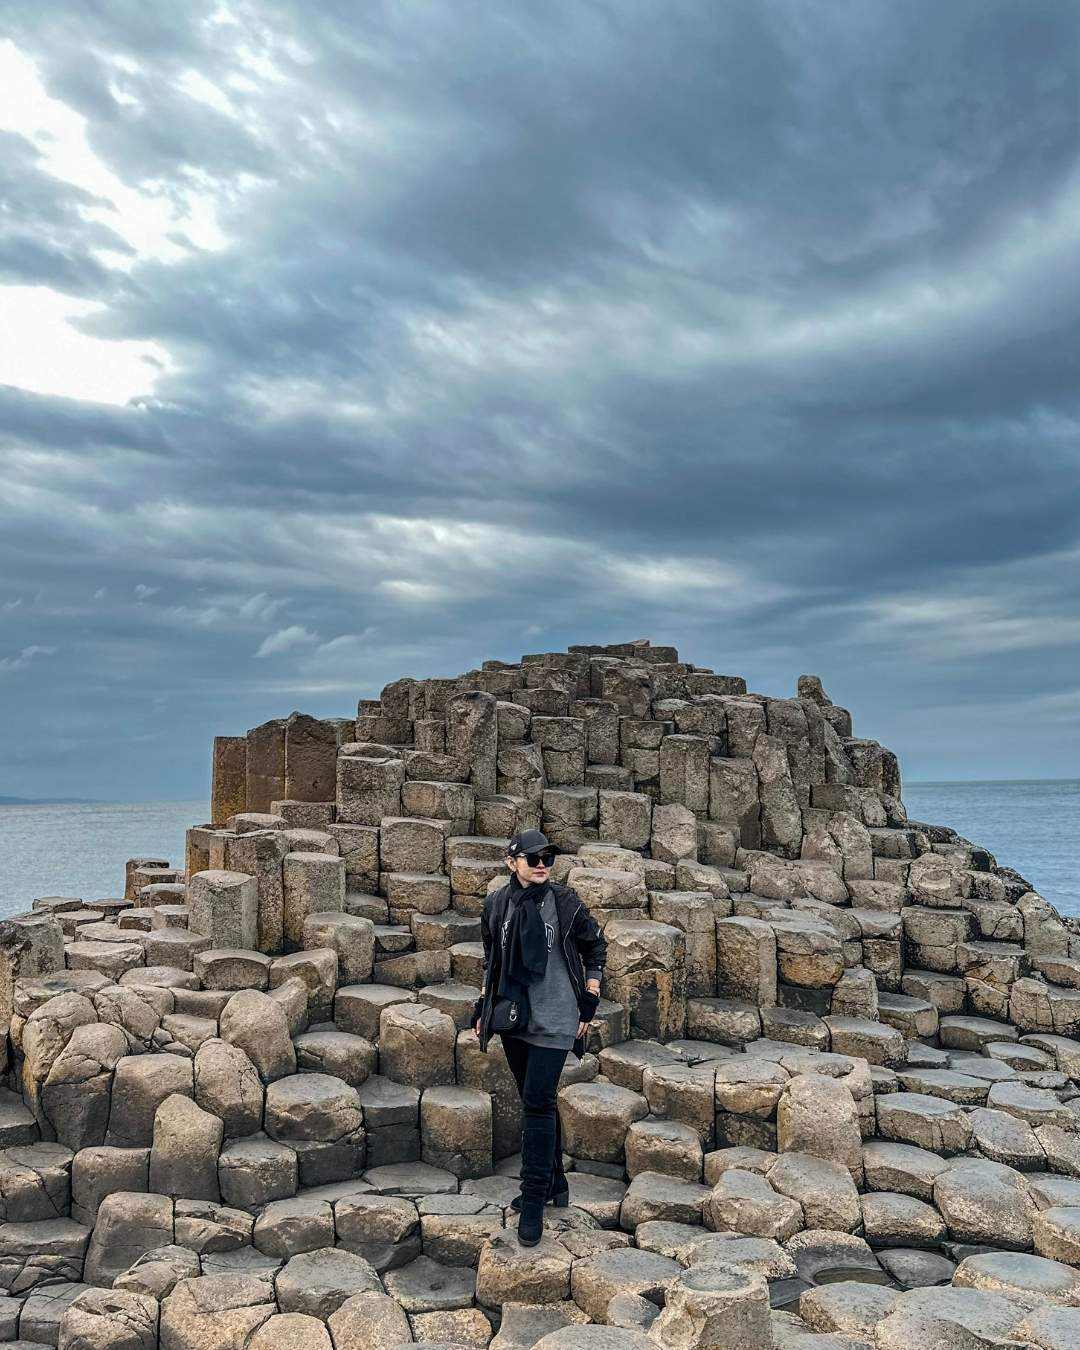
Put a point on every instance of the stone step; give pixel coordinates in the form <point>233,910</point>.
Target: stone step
<point>17,1123</point>
<point>914,1017</point>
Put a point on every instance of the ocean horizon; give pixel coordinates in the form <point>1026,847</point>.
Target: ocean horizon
<point>79,849</point>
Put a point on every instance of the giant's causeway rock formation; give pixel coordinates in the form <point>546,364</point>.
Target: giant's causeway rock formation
<point>830,1097</point>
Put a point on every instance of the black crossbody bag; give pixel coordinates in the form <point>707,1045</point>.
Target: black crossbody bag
<point>507,1014</point>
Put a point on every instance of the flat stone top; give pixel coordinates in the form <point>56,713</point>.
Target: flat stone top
<point>379,1094</point>
<point>918,1101</point>
<point>410,1179</point>
<point>213,954</point>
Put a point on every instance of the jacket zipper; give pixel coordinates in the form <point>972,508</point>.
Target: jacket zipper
<point>566,951</point>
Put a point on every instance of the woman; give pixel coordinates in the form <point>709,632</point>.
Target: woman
<point>544,955</point>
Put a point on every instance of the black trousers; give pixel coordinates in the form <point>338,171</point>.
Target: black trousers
<point>536,1070</point>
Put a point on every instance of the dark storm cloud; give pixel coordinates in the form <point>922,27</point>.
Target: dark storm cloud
<point>754,327</point>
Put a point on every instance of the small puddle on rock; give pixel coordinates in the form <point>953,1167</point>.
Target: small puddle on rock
<point>859,1274</point>
<point>784,1293</point>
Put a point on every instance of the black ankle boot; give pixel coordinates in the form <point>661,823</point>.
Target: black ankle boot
<point>558,1196</point>
<point>530,1224</point>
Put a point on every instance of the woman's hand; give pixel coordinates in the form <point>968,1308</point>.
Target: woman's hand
<point>582,1028</point>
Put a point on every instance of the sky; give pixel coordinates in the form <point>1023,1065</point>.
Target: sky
<point>340,343</point>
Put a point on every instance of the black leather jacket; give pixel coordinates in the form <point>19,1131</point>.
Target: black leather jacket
<point>583,946</point>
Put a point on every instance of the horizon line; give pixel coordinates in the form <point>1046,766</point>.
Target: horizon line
<point>169,801</point>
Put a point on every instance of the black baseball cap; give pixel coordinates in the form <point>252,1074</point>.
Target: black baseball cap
<point>530,841</point>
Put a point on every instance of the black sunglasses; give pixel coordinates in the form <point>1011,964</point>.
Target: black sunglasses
<point>538,859</point>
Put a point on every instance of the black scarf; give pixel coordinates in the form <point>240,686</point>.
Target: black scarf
<point>525,952</point>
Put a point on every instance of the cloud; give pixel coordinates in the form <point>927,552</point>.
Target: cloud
<point>23,659</point>
<point>258,608</point>
<point>285,639</point>
<point>774,361</point>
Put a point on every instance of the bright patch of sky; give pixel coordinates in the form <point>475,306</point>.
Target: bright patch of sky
<point>43,349</point>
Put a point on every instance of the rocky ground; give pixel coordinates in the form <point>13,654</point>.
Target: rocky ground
<point>830,1097</point>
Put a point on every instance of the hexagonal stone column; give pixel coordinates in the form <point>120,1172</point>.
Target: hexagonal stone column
<point>646,972</point>
<point>509,1273</point>
<point>596,1117</point>
<point>368,789</point>
<point>416,1045</point>
<point>455,1130</point>
<point>225,908</point>
<point>715,1308</point>
<point>351,936</point>
<point>313,883</point>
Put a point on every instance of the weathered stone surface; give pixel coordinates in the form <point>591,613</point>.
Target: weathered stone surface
<point>369,1321</point>
<point>454,1228</point>
<point>211,1229</point>
<point>224,908</point>
<point>523,1325</point>
<point>1003,1138</point>
<point>215,1311</point>
<point>140,1084</point>
<point>30,945</point>
<point>425,1286</point>
<point>684,1092</point>
<point>128,1225</point>
<point>98,1172</point>
<point>746,960</point>
<point>287,1227</point>
<point>674,829</point>
<point>255,1170</point>
<point>40,1252</point>
<point>338,1053</point>
<point>983,1201</point>
<point>927,1122</point>
<point>892,1219</point>
<point>460,1326</point>
<point>818,1115</point>
<point>949,1317</point>
<point>291,1331</point>
<point>646,973</point>
<point>311,1106</point>
<point>456,1130</point>
<point>383,1229</point>
<point>1021,1275</point>
<point>823,1189</point>
<point>595,1280</point>
<point>35,1182</point>
<point>744,1202</point>
<point>596,1117</point>
<point>901,1167</point>
<point>715,1306</point>
<point>595,1337</point>
<point>110,1319</point>
<point>416,1045</point>
<point>317,969</point>
<point>510,1273</point>
<point>318,1282</point>
<point>1056,1233</point>
<point>184,1153</point>
<point>256,1024</point>
<point>666,1146</point>
<point>653,1196</point>
<point>227,1084</point>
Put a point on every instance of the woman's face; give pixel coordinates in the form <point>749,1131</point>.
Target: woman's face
<point>528,876</point>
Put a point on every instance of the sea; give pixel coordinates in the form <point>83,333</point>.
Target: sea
<point>1031,825</point>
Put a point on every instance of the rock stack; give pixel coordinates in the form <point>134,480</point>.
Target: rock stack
<point>831,1091</point>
